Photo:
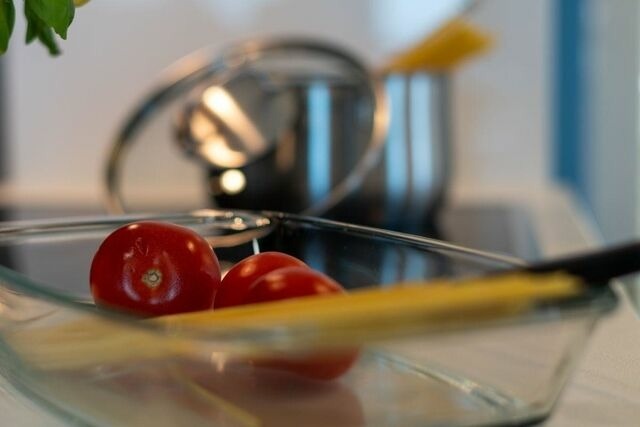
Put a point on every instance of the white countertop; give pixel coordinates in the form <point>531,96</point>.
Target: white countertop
<point>604,390</point>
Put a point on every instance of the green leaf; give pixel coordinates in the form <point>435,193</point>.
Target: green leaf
<point>57,14</point>
<point>32,32</point>
<point>46,37</point>
<point>7,18</point>
<point>37,28</point>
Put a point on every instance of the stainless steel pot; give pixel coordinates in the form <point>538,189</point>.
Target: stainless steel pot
<point>303,126</point>
<point>407,187</point>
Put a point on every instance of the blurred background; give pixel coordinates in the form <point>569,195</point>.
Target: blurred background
<point>551,107</point>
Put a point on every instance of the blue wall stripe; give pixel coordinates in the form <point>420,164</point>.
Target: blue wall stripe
<point>570,145</point>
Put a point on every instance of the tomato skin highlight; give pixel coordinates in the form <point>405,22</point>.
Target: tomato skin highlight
<point>155,268</point>
<point>238,280</point>
<point>294,282</point>
<point>291,282</point>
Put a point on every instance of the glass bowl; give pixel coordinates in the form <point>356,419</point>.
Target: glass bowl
<point>506,372</point>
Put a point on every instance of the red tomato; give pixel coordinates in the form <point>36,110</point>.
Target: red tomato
<point>155,268</point>
<point>292,282</point>
<point>240,277</point>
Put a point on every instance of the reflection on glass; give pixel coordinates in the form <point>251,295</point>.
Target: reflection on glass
<point>216,150</point>
<point>232,181</point>
<point>319,157</point>
<point>396,156</point>
<point>202,126</point>
<point>421,144</point>
<point>223,106</point>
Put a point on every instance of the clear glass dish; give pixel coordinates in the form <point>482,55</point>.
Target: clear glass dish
<point>491,373</point>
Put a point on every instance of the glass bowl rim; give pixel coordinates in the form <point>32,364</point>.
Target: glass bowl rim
<point>257,219</point>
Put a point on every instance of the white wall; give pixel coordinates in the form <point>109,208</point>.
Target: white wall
<point>613,116</point>
<point>503,101</point>
<point>65,110</point>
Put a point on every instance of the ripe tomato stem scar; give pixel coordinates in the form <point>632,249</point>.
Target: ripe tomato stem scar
<point>152,278</point>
